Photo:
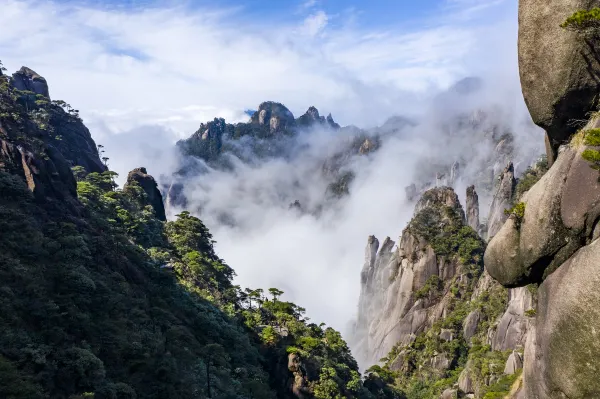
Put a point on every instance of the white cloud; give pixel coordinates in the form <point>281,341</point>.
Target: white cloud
<point>315,23</point>
<point>144,78</point>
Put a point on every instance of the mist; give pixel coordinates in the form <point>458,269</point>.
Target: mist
<point>144,79</point>
<point>316,256</point>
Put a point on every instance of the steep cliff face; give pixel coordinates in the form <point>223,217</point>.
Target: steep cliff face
<point>405,290</point>
<point>554,235</point>
<point>550,240</point>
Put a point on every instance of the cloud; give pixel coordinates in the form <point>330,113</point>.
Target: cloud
<point>146,77</point>
<point>315,23</point>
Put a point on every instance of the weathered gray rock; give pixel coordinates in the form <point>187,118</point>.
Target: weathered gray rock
<point>513,363</point>
<point>446,335</point>
<point>465,382</point>
<point>524,251</point>
<point>470,324</point>
<point>299,383</point>
<point>561,358</point>
<point>502,200</point>
<point>511,332</point>
<point>389,312</point>
<point>472,208</point>
<point>449,394</point>
<point>141,177</point>
<point>28,79</point>
<point>559,70</point>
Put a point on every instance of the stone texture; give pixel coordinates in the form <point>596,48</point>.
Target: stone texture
<point>559,70</point>
<point>470,324</point>
<point>389,312</point>
<point>449,394</point>
<point>523,252</point>
<point>465,382</point>
<point>472,208</point>
<point>148,184</point>
<point>28,79</point>
<point>502,200</point>
<point>511,332</point>
<point>561,358</point>
<point>513,363</point>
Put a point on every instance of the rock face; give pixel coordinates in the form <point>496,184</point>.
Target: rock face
<point>554,243</point>
<point>559,69</point>
<point>472,207</point>
<point>28,79</point>
<point>561,211</point>
<point>48,178</point>
<point>393,308</point>
<point>562,356</point>
<point>514,363</point>
<point>148,184</point>
<point>502,200</point>
<point>511,332</point>
<point>273,115</point>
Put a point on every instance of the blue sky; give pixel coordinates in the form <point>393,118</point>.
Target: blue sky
<point>175,64</point>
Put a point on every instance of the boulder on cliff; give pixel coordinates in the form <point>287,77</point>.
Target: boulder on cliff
<point>27,79</point>
<point>560,70</point>
<point>141,177</point>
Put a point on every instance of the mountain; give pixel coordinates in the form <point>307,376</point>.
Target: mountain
<point>101,297</point>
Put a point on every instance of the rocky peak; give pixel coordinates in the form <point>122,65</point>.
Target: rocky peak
<point>27,79</point>
<point>437,197</point>
<point>273,115</point>
<point>472,208</point>
<point>141,177</point>
<point>503,196</point>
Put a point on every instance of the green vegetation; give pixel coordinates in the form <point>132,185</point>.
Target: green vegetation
<point>592,138</point>
<point>531,176</point>
<point>100,299</point>
<point>517,212</point>
<point>432,285</point>
<point>443,228</point>
<point>583,21</point>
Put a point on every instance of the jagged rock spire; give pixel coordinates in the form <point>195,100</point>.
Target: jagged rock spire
<point>148,184</point>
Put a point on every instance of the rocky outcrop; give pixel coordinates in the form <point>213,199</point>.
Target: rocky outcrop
<point>561,358</point>
<point>513,364</point>
<point>560,213</point>
<point>559,69</point>
<point>48,178</point>
<point>472,208</point>
<point>27,79</point>
<point>312,118</point>
<point>502,200</point>
<point>141,177</point>
<point>471,323</point>
<point>511,331</point>
<point>299,385</point>
<point>553,243</point>
<point>399,294</point>
<point>275,116</point>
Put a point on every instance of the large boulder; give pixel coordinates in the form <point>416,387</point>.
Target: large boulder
<point>560,213</point>
<point>561,357</point>
<point>29,80</point>
<point>148,184</point>
<point>559,69</point>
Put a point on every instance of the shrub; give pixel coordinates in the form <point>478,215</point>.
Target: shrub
<point>517,211</point>
<point>583,21</point>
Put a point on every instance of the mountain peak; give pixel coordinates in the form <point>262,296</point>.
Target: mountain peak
<point>27,79</point>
